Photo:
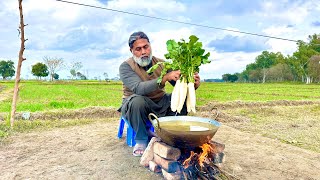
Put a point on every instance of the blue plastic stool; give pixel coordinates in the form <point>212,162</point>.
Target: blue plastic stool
<point>130,132</point>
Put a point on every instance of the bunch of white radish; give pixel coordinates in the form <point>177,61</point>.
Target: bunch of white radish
<point>186,57</point>
<point>181,91</point>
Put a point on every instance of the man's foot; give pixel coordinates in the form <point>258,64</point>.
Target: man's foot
<point>138,149</point>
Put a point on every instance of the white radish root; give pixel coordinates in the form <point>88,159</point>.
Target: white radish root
<point>188,100</point>
<point>192,96</point>
<point>175,96</point>
<point>183,94</point>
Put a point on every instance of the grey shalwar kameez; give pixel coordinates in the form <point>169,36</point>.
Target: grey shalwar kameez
<point>137,105</point>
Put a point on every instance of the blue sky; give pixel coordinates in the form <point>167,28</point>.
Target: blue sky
<point>98,38</point>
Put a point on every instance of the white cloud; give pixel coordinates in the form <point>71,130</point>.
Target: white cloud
<point>165,6</point>
<point>159,38</point>
<point>223,63</point>
<point>99,37</point>
<point>118,29</point>
<point>285,47</point>
<point>278,30</point>
<point>291,12</point>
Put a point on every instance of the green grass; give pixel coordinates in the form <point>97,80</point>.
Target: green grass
<point>224,92</point>
<point>296,125</point>
<point>43,96</point>
<point>5,130</point>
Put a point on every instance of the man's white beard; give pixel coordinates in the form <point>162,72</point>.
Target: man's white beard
<point>143,61</point>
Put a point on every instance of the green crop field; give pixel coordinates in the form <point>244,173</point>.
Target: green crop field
<point>288,124</point>
<point>41,96</point>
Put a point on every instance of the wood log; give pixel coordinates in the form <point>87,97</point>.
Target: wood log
<point>185,175</point>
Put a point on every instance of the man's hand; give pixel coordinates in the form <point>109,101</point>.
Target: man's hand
<point>171,76</point>
<point>196,80</point>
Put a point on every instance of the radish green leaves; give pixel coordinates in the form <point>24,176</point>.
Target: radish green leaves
<point>186,57</point>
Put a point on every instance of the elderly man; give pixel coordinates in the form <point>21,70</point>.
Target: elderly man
<point>141,92</point>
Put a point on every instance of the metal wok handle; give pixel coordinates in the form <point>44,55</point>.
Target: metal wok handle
<point>155,124</point>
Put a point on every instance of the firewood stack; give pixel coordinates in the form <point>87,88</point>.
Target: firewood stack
<point>199,163</point>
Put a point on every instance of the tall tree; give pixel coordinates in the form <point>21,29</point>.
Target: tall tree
<point>233,78</point>
<point>315,42</point>
<point>255,75</point>
<point>265,61</point>
<point>245,74</point>
<point>40,70</point>
<point>225,77</point>
<point>6,69</point>
<point>280,72</point>
<point>301,58</point>
<point>21,59</point>
<point>54,65</point>
<point>314,68</point>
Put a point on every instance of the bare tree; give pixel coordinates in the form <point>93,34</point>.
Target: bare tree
<point>74,68</point>
<point>21,59</point>
<point>54,65</point>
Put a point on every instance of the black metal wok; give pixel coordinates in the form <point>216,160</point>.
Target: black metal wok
<point>184,131</point>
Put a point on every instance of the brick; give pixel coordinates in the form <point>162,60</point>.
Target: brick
<point>148,152</point>
<point>169,165</point>
<point>154,167</point>
<point>217,146</point>
<point>166,151</point>
<point>171,176</point>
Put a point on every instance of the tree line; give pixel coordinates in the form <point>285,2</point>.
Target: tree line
<point>303,65</point>
<point>49,67</point>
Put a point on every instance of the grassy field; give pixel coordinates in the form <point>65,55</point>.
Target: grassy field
<point>41,96</point>
<point>296,125</point>
<point>224,92</point>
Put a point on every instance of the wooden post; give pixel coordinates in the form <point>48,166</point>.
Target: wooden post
<point>17,80</point>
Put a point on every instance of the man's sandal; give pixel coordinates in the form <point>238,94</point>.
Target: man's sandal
<point>138,149</point>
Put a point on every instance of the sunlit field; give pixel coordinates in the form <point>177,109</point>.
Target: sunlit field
<point>41,96</point>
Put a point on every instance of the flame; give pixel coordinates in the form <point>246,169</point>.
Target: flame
<point>186,162</point>
<point>207,149</point>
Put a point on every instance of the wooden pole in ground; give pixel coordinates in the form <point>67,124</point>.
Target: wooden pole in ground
<point>21,59</point>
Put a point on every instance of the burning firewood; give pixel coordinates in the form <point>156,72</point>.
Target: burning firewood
<point>202,162</point>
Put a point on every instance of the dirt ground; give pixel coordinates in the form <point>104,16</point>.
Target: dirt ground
<point>93,152</point>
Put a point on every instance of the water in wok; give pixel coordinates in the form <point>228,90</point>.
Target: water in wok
<point>184,131</point>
